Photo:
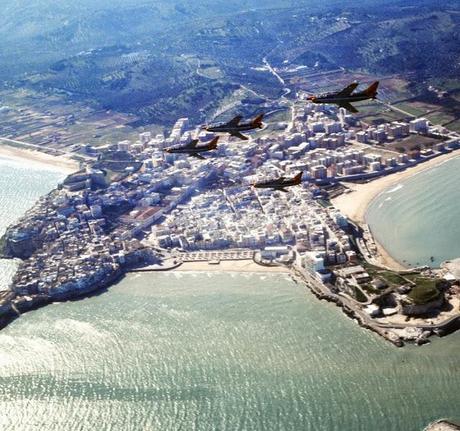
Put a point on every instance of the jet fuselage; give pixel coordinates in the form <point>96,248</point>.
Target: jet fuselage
<point>193,149</point>
<point>234,127</point>
<point>179,150</point>
<point>275,184</point>
<point>346,97</point>
<point>280,183</point>
<point>332,98</point>
<point>229,129</point>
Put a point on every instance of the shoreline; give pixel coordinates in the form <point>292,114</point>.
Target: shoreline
<point>13,310</point>
<point>38,158</point>
<point>356,203</point>
<point>24,304</point>
<point>384,258</point>
<point>16,310</point>
<point>241,266</point>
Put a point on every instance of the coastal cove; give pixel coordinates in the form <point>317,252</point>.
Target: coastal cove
<point>430,193</point>
<point>417,221</point>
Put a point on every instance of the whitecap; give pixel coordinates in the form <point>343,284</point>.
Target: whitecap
<point>396,188</point>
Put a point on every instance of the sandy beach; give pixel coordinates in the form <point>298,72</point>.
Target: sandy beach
<point>354,205</point>
<point>38,158</point>
<point>230,266</point>
<point>385,259</point>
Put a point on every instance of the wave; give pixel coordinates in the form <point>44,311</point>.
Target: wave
<point>396,188</point>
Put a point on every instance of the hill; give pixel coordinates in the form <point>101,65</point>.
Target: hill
<point>164,59</point>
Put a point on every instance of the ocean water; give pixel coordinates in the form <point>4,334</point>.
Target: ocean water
<point>216,352</point>
<point>209,351</point>
<point>420,217</point>
<point>21,184</point>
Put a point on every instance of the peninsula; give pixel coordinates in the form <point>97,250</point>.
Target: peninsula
<point>131,205</point>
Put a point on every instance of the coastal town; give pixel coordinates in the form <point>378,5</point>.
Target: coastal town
<point>230,215</point>
<point>133,206</point>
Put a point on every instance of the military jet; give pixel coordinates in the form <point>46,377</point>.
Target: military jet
<point>235,127</point>
<point>280,183</point>
<point>193,149</point>
<point>346,97</point>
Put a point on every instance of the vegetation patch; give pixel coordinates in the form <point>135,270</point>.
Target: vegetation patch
<point>393,278</point>
<point>424,291</point>
<point>359,294</point>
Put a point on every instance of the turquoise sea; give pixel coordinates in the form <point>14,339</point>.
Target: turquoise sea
<point>420,218</point>
<point>206,351</point>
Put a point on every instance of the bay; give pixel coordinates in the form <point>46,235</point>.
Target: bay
<point>420,218</point>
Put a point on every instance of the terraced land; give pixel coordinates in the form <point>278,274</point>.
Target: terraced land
<point>204,59</point>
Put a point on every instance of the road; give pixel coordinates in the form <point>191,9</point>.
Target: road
<point>273,71</point>
<point>277,76</point>
<point>379,327</point>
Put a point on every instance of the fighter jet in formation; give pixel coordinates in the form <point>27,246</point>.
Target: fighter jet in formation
<point>235,127</point>
<point>193,149</point>
<point>346,97</point>
<point>280,183</point>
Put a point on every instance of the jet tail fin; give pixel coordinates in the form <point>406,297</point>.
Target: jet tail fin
<point>213,143</point>
<point>371,91</point>
<point>298,177</point>
<point>257,122</point>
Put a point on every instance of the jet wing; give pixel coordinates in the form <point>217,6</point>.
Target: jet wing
<point>281,189</point>
<point>192,144</point>
<point>348,107</point>
<point>235,121</point>
<point>348,90</point>
<point>198,156</point>
<point>239,135</point>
